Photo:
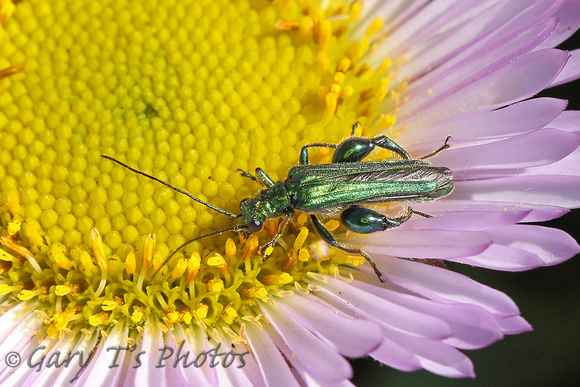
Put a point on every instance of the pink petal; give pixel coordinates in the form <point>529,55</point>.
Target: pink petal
<point>424,243</point>
<point>273,366</point>
<point>351,337</point>
<point>396,355</point>
<point>536,213</point>
<point>436,357</point>
<point>200,376</point>
<point>445,286</point>
<point>95,373</point>
<point>147,373</point>
<point>525,150</point>
<point>319,359</point>
<point>551,245</point>
<point>568,121</point>
<point>80,356</point>
<point>514,119</point>
<point>568,166</point>
<point>237,374</point>
<point>479,60</point>
<point>568,17</point>
<point>572,70</point>
<point>514,325</point>
<point>465,220</point>
<point>503,258</point>
<point>519,80</point>
<point>484,29</point>
<point>543,189</point>
<point>471,326</point>
<point>383,311</point>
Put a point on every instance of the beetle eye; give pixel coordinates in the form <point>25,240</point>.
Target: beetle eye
<point>255,226</point>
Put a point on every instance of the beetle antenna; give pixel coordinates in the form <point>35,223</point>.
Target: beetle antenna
<point>235,228</point>
<point>231,215</point>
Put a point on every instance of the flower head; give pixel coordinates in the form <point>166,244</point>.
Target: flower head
<point>189,92</point>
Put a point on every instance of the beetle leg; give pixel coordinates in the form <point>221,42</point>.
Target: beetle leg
<point>355,149</point>
<point>328,238</point>
<point>435,153</point>
<point>264,178</point>
<point>281,229</point>
<point>246,174</point>
<point>261,177</point>
<point>303,159</point>
<point>388,144</point>
<point>354,128</point>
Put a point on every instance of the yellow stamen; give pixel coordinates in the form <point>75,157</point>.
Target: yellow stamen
<point>99,250</point>
<point>62,290</point>
<point>286,25</point>
<point>193,265</point>
<point>14,202</point>
<point>179,268</point>
<point>231,249</point>
<point>99,319</point>
<point>86,261</point>
<point>130,263</point>
<point>301,238</point>
<point>59,257</point>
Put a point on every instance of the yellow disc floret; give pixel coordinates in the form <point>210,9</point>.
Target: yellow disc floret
<point>187,93</point>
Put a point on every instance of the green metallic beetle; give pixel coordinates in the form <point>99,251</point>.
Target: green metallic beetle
<point>344,185</point>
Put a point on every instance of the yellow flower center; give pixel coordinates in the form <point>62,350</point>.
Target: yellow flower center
<point>187,91</point>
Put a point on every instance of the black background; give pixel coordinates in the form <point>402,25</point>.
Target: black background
<point>548,298</point>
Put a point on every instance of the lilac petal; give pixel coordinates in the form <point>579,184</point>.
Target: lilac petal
<point>24,375</point>
<point>514,119</point>
<point>424,243</point>
<point>543,189</point>
<point>384,311</point>
<point>423,23</point>
<point>525,150</point>
<point>9,321</point>
<point>237,373</point>
<point>572,70</point>
<point>405,10</point>
<point>15,326</point>
<point>314,383</point>
<point>81,354</point>
<point>103,358</point>
<point>273,366</point>
<point>200,376</point>
<point>389,12</point>
<point>320,360</point>
<point>397,356</point>
<point>23,345</point>
<point>483,60</point>
<point>569,21</point>
<point>471,326</point>
<point>443,285</point>
<point>568,121</point>
<point>520,79</point>
<point>551,245</point>
<point>436,357</point>
<point>536,213</point>
<point>465,220</point>
<point>514,325</point>
<point>147,373</point>
<point>499,257</point>
<point>567,166</point>
<point>351,337</point>
<point>486,30</point>
<point>48,375</point>
<point>299,369</point>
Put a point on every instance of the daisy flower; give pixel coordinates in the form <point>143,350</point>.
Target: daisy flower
<point>190,91</point>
